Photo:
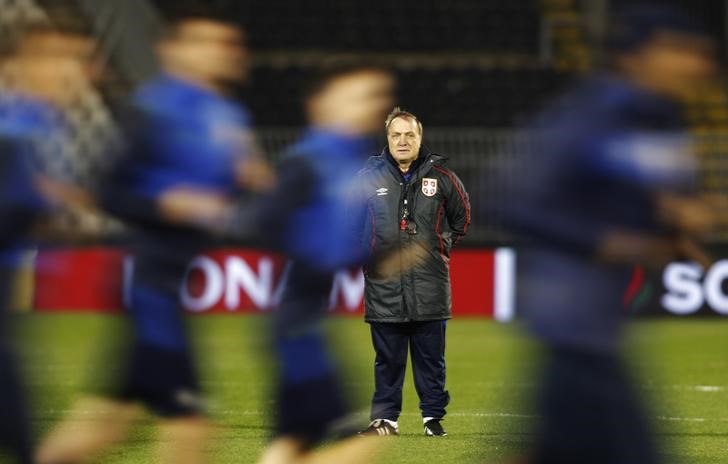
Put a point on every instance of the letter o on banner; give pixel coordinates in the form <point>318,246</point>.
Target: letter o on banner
<point>212,290</point>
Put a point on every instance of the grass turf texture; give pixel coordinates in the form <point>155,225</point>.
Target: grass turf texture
<point>489,368</point>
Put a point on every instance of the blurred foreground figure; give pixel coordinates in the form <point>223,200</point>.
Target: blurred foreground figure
<point>306,216</point>
<point>39,69</point>
<point>188,145</point>
<point>606,186</point>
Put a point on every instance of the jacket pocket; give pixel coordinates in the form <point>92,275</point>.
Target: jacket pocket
<point>383,298</point>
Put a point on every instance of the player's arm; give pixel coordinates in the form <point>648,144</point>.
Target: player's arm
<point>357,212</point>
<point>265,217</point>
<point>252,172</point>
<point>631,247</point>
<point>20,201</point>
<point>457,206</point>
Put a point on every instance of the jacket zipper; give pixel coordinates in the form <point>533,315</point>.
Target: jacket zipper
<point>403,230</point>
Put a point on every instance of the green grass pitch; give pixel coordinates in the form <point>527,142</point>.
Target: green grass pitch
<point>683,367</point>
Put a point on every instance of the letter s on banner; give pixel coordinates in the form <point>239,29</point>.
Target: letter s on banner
<point>684,293</point>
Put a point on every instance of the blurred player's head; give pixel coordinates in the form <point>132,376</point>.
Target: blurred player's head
<point>206,49</point>
<point>49,62</point>
<point>351,99</point>
<point>661,50</point>
<point>404,135</point>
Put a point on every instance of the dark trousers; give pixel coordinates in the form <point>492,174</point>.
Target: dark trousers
<point>160,362</point>
<point>15,432</point>
<point>426,342</point>
<point>310,399</point>
<point>590,412</point>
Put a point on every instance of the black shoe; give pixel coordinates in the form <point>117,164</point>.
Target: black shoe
<point>433,428</point>
<point>379,428</point>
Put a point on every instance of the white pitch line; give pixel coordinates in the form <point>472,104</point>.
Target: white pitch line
<point>689,419</point>
<point>696,388</point>
<point>709,388</point>
<point>482,414</point>
<point>233,412</point>
<point>491,384</point>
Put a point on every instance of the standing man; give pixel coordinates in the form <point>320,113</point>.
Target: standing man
<point>413,200</point>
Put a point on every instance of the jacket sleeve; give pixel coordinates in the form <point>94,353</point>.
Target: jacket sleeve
<point>20,201</point>
<point>457,205</point>
<point>115,191</point>
<point>357,211</point>
<point>294,188</point>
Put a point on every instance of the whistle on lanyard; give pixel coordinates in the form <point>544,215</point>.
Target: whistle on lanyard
<point>405,225</point>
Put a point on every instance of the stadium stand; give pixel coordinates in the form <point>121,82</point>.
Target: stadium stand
<point>405,25</point>
<point>472,96</point>
<point>472,70</point>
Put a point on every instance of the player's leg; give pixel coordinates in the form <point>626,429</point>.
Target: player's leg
<point>633,438</point>
<point>283,450</point>
<point>310,401</point>
<point>574,409</point>
<point>289,450</point>
<point>159,374</point>
<point>428,366</point>
<point>162,373</point>
<point>308,407</point>
<point>103,415</point>
<point>14,423</point>
<point>356,450</point>
<point>309,397</point>
<point>390,341</point>
<point>164,378</point>
<point>93,425</point>
<point>182,440</point>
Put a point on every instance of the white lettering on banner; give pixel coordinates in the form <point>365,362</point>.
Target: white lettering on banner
<point>504,309</point>
<point>212,290</point>
<point>127,276</point>
<point>351,288</point>
<point>682,281</point>
<point>714,287</point>
<point>281,287</point>
<point>686,294</point>
<point>240,276</point>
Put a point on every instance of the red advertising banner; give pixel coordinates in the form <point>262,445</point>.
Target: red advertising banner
<point>245,280</point>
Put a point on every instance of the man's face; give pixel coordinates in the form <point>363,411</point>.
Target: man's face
<point>214,51</point>
<point>356,102</point>
<point>53,66</point>
<point>404,139</point>
<point>674,64</point>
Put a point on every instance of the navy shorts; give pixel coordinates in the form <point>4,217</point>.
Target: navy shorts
<point>160,370</point>
<point>309,396</point>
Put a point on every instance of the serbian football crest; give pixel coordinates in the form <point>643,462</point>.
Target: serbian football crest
<point>429,186</point>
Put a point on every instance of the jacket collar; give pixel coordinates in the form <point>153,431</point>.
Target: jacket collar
<point>419,168</point>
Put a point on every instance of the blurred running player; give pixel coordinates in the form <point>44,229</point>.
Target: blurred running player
<point>608,186</point>
<point>190,152</point>
<point>306,217</point>
<point>38,67</point>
